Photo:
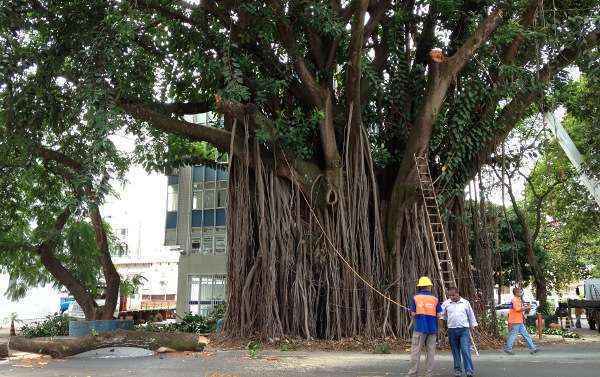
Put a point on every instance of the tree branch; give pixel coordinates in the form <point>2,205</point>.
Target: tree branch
<point>375,17</point>
<point>526,21</point>
<point>46,252</point>
<point>219,138</point>
<point>288,38</point>
<point>517,108</point>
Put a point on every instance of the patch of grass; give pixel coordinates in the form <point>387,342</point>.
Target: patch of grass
<point>382,348</point>
<point>254,348</point>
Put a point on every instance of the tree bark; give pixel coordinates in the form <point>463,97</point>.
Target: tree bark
<point>60,348</point>
<point>111,276</point>
<point>538,272</point>
<point>60,272</point>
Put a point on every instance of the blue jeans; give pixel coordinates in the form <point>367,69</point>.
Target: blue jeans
<point>460,343</point>
<point>519,328</point>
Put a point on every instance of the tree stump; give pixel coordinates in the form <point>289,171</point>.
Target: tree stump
<point>64,347</point>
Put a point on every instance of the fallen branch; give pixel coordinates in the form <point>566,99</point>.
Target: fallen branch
<point>64,347</point>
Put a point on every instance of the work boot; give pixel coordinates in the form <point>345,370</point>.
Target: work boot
<point>534,351</point>
<point>508,352</point>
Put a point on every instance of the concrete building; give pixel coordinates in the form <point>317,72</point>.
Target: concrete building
<point>196,222</point>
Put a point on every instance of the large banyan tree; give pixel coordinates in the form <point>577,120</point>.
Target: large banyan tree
<point>324,106</point>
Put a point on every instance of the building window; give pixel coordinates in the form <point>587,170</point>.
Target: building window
<point>172,197</point>
<point>222,198</point>
<point>209,208</point>
<point>205,292</point>
<point>197,197</point>
<point>209,199</point>
<point>207,244</point>
<point>220,244</point>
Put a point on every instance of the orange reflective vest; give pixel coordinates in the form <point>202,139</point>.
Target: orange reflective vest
<point>426,305</point>
<point>515,314</point>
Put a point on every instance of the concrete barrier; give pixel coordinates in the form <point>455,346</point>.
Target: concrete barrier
<point>83,328</point>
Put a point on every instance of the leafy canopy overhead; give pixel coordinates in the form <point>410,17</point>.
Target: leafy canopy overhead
<point>297,69</point>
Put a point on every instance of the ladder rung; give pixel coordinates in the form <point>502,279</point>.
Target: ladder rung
<point>444,260</point>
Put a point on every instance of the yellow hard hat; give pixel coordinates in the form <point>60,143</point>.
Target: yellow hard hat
<point>424,281</point>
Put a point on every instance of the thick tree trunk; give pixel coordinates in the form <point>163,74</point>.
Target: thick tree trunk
<point>59,348</point>
<point>458,237</point>
<point>300,268</point>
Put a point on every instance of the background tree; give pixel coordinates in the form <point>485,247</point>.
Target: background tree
<point>55,165</point>
<point>325,104</point>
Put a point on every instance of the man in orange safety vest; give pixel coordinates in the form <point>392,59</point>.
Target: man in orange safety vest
<point>516,319</point>
<point>425,309</point>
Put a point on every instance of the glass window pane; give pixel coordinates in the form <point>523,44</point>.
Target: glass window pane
<point>194,289</point>
<point>219,292</point>
<point>222,174</point>
<point>220,243</point>
<point>221,218</point>
<point>211,173</point>
<point>197,200</point>
<point>172,197</point>
<point>221,198</point>
<point>197,218</point>
<point>207,244</point>
<point>208,217</point>
<point>198,173</point>
<point>206,290</point>
<point>171,220</point>
<point>209,199</point>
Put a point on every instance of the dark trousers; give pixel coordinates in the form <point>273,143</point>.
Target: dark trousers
<point>460,342</point>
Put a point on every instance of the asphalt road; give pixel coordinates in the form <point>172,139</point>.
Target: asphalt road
<point>581,360</point>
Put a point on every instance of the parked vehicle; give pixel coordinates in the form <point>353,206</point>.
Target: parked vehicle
<point>502,309</point>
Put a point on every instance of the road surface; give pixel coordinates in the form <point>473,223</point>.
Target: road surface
<point>574,360</point>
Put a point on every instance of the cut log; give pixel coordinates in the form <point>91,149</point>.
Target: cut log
<point>63,347</point>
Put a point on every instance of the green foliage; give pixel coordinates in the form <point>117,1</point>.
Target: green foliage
<point>549,331</point>
<point>382,348</point>
<point>53,325</point>
<point>254,347</point>
<point>129,286</point>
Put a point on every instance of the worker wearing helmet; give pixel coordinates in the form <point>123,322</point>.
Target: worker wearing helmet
<point>425,309</point>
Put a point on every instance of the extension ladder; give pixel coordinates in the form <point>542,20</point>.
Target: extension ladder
<point>435,224</point>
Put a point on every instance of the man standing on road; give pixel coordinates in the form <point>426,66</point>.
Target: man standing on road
<point>460,318</point>
<point>516,319</point>
<point>425,310</point>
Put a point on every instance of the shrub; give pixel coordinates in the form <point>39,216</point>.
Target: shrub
<point>53,325</point>
<point>382,348</point>
<point>190,323</point>
<point>254,348</point>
